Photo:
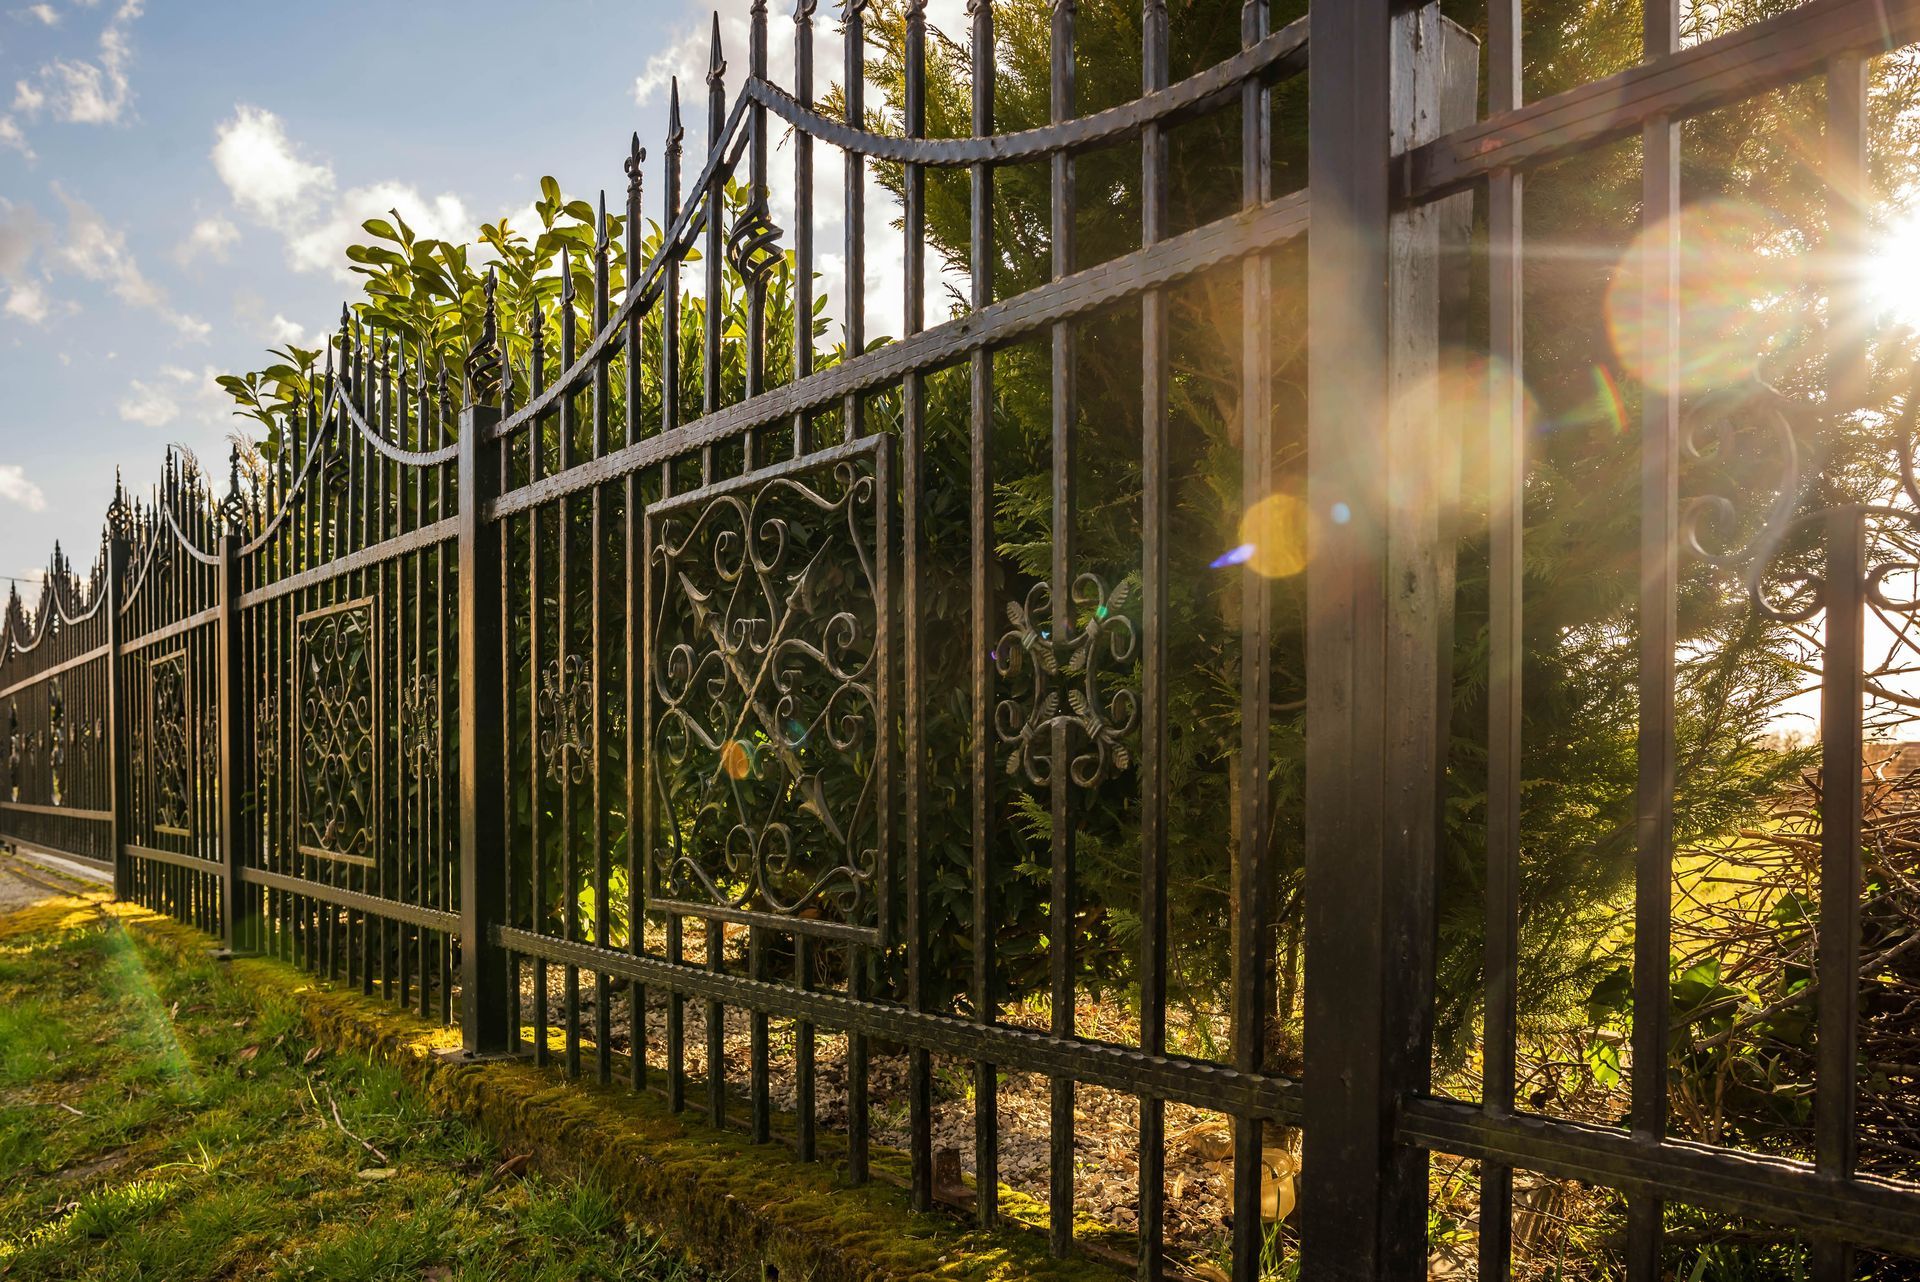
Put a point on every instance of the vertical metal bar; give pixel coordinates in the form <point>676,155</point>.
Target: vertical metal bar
<point>632,628</point>
<point>119,787</point>
<point>1849,197</point>
<point>759,1087</point>
<point>564,589</point>
<point>1506,517</point>
<point>1253,867</point>
<point>804,1081</point>
<point>912,502</point>
<point>1659,553</point>
<point>230,693</point>
<point>1154,514</point>
<point>716,215</point>
<point>602,993</point>
<point>1838,963</point>
<point>1849,371</point>
<point>854,91</point>
<point>536,807</point>
<point>484,973</point>
<point>803,238</point>
<point>982,569</point>
<point>1062,959</point>
<point>670,302</point>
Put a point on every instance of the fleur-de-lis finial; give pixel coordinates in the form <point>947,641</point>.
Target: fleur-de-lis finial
<point>803,10</point>
<point>636,159</point>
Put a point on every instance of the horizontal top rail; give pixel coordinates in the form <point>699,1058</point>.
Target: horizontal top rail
<point>1281,54</point>
<point>1741,64</point>
<point>1163,263</point>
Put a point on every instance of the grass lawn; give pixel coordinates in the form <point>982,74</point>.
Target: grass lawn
<point>160,1121</point>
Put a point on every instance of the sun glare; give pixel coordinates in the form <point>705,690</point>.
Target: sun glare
<point>1893,280</point>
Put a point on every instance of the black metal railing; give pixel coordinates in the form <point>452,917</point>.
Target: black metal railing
<point>653,676</point>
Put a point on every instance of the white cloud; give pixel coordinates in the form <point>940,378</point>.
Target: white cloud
<point>82,91</point>
<point>321,245</point>
<point>44,13</point>
<point>95,251</point>
<point>28,302</point>
<point>282,332</point>
<point>260,166</point>
<point>22,231</point>
<point>212,237</point>
<point>16,488</point>
<point>11,137</point>
<point>272,181</point>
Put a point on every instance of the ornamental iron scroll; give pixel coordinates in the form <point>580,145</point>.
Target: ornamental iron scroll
<point>768,720</point>
<point>56,740</point>
<point>15,750</point>
<point>1070,659</point>
<point>566,719</point>
<point>336,757</point>
<point>170,746</point>
<point>420,724</point>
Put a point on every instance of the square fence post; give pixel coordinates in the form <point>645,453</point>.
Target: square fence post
<point>235,933</point>
<point>1384,77</point>
<point>118,785</point>
<point>484,974</point>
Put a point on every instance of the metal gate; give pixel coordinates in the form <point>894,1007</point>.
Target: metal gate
<point>694,666</point>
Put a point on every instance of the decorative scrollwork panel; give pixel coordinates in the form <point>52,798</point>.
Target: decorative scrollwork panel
<point>770,749</point>
<point>170,746</point>
<point>337,733</point>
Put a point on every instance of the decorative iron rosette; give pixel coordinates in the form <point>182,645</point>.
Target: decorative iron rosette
<point>420,723</point>
<point>1068,662</point>
<point>565,711</point>
<point>768,723</point>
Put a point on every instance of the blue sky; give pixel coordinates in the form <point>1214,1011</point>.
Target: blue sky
<point>178,178</point>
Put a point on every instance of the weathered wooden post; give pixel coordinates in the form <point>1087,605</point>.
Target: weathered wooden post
<point>484,974</point>
<point>1378,565</point>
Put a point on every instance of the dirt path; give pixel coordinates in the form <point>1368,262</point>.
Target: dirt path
<point>25,882</point>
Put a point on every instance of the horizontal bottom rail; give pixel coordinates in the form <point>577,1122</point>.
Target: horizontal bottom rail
<point>173,857</point>
<point>59,812</point>
<point>340,897</point>
<point>1119,1068</point>
<point>1866,1211</point>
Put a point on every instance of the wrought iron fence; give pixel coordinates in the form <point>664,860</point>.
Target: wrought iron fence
<point>648,678</point>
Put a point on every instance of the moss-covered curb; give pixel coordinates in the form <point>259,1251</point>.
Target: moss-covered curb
<point>729,1205</point>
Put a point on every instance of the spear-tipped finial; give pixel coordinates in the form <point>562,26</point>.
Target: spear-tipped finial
<point>566,276</point>
<point>717,63</point>
<point>600,242</point>
<point>676,132</point>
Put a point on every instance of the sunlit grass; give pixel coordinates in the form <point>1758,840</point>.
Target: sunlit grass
<point>159,1120</point>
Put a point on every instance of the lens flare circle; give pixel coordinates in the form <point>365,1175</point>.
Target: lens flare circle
<point>1733,267</point>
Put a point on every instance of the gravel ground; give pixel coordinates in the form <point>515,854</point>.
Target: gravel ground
<point>24,882</point>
